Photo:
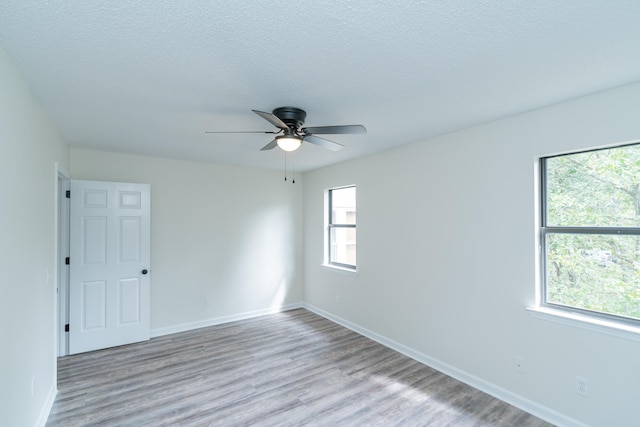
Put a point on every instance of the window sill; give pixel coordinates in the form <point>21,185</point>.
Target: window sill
<point>350,271</point>
<point>579,320</point>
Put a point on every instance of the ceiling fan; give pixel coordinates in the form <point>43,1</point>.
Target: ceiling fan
<point>291,134</point>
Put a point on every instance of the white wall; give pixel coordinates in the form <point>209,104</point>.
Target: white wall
<point>229,234</point>
<point>446,259</point>
<point>29,148</point>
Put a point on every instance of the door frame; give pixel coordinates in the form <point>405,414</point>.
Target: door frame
<point>63,183</point>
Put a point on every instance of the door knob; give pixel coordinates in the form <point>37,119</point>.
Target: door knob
<point>145,271</point>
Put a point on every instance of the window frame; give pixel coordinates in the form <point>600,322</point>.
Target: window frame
<point>330,225</point>
<point>546,230</point>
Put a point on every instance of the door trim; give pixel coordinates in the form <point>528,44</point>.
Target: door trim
<point>61,282</point>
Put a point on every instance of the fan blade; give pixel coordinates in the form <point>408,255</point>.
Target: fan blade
<point>324,143</point>
<point>240,131</point>
<point>270,145</point>
<point>274,120</point>
<point>335,130</point>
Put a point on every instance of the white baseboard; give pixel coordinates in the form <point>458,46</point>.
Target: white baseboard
<point>223,319</point>
<point>46,407</point>
<point>505,395</point>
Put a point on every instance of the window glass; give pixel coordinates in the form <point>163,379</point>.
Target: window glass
<point>594,272</point>
<point>343,249</point>
<point>343,205</point>
<point>595,188</point>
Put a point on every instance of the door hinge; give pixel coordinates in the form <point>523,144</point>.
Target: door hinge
<point>67,194</point>
<point>66,327</point>
<point>67,261</point>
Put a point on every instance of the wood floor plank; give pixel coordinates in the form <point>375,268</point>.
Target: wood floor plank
<point>288,369</point>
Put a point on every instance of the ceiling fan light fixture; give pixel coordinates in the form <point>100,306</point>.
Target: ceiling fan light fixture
<point>289,142</point>
<point>291,133</point>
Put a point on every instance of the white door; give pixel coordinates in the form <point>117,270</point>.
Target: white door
<point>109,264</point>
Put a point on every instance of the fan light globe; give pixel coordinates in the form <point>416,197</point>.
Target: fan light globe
<point>288,143</point>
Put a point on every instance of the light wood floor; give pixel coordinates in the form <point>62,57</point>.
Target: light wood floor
<point>288,369</point>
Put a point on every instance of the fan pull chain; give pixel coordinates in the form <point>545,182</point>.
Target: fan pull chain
<point>293,168</point>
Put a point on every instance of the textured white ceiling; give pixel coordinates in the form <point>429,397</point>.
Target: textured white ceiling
<point>150,76</point>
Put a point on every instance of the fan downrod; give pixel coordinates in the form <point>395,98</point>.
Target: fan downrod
<point>291,116</point>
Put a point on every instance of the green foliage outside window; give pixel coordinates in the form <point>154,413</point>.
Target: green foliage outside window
<point>595,266</point>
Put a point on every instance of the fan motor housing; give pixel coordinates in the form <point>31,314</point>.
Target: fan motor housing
<point>292,116</point>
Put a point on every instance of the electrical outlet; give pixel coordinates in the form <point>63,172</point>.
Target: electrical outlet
<point>207,302</point>
<point>518,365</point>
<point>338,299</point>
<point>582,386</point>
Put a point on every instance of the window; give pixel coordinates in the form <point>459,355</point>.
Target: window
<point>590,233</point>
<point>341,227</point>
